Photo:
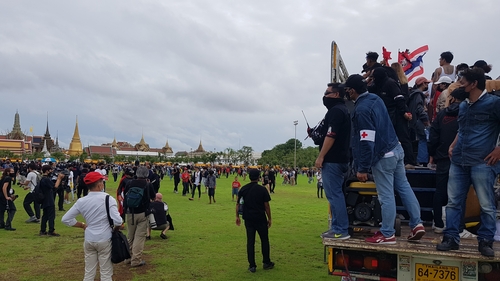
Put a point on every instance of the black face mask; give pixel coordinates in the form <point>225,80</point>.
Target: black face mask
<point>12,174</point>
<point>466,93</point>
<point>328,102</point>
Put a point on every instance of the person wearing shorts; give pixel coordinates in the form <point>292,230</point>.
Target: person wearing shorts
<point>235,188</point>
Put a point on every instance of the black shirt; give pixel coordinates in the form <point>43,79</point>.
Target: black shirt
<point>148,195</point>
<point>47,187</point>
<point>8,180</point>
<point>338,126</point>
<point>254,196</point>
<point>159,212</point>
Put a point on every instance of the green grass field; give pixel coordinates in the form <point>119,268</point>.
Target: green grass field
<point>205,245</point>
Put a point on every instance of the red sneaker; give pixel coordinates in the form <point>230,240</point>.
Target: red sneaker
<point>379,238</point>
<point>416,233</point>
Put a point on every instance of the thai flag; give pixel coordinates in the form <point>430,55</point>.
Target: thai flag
<point>412,63</point>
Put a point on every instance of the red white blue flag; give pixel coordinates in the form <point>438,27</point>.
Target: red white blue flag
<point>412,63</point>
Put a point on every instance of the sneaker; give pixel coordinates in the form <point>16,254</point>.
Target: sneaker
<point>486,248</point>
<point>438,230</point>
<point>148,237</point>
<point>416,233</point>
<point>447,244</point>
<point>336,236</point>
<point>269,265</point>
<point>163,236</point>
<point>31,219</point>
<point>252,269</point>
<point>53,234</point>
<point>409,167</point>
<point>466,234</point>
<point>191,199</point>
<point>62,210</point>
<point>9,228</point>
<point>379,238</point>
<point>141,263</point>
<point>42,233</point>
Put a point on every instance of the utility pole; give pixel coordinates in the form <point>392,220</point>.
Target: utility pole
<point>295,146</point>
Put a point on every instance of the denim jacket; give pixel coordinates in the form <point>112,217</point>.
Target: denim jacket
<point>370,116</point>
<point>478,129</point>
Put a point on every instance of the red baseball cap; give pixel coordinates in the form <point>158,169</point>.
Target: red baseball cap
<point>92,177</point>
<point>422,80</point>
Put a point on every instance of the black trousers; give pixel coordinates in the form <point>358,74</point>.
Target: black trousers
<point>9,207</point>
<point>403,133</point>
<point>185,188</point>
<point>176,183</point>
<point>30,198</point>
<point>60,201</point>
<point>49,216</point>
<point>261,228</point>
<point>194,190</point>
<point>115,176</point>
<point>320,189</point>
<point>272,185</point>
<point>80,188</point>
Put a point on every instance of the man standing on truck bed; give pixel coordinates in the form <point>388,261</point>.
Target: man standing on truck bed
<point>474,160</point>
<point>333,158</point>
<point>375,146</point>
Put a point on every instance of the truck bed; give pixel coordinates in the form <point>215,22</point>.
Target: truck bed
<point>425,247</point>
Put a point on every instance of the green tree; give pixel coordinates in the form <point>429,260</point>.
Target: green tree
<point>6,154</point>
<point>59,156</point>
<point>107,159</point>
<point>245,154</point>
<point>83,156</point>
<point>95,156</point>
<point>119,158</point>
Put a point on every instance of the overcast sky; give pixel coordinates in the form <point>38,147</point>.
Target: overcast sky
<point>230,73</point>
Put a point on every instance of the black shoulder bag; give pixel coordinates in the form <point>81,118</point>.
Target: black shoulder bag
<point>120,249</point>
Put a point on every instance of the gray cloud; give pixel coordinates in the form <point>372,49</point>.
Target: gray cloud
<point>232,73</point>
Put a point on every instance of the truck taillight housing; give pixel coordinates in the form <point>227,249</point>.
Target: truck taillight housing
<point>361,263</point>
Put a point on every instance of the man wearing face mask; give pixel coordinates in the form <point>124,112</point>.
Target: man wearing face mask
<point>474,160</point>
<point>333,158</point>
<point>419,120</point>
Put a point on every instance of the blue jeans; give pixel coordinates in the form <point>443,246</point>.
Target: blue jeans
<point>461,177</point>
<point>333,179</point>
<point>423,154</point>
<point>389,175</point>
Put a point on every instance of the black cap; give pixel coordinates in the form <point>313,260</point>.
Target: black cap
<point>480,64</point>
<point>355,81</point>
<point>459,94</point>
<point>254,174</point>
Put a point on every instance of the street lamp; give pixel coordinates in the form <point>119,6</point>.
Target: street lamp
<point>295,146</point>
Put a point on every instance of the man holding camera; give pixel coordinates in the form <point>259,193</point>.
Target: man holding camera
<point>30,184</point>
<point>48,205</point>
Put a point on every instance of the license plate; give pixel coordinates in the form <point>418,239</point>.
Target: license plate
<point>428,272</point>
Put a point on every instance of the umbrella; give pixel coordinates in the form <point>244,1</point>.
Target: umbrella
<point>49,159</point>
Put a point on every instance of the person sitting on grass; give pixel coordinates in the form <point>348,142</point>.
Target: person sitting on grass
<point>160,211</point>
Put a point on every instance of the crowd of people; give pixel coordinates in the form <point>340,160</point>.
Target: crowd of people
<point>453,120</point>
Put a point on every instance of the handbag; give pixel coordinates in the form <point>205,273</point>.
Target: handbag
<point>120,249</point>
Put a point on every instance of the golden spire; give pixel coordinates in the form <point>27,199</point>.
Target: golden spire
<point>200,148</point>
<point>75,147</point>
<point>114,143</point>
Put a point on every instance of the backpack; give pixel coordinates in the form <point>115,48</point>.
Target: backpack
<point>38,177</point>
<point>318,133</point>
<point>81,183</point>
<point>134,197</point>
<point>39,196</point>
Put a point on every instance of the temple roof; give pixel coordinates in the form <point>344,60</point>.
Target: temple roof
<point>200,148</point>
<point>16,133</point>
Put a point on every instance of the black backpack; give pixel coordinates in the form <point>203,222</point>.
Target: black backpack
<point>81,183</point>
<point>39,196</point>
<point>120,249</point>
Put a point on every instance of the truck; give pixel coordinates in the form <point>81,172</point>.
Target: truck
<point>354,259</point>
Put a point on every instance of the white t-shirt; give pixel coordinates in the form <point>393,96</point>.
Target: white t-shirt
<point>32,177</point>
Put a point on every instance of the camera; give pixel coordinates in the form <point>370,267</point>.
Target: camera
<point>14,196</point>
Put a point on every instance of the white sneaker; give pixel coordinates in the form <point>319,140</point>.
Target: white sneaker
<point>466,234</point>
<point>438,230</point>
